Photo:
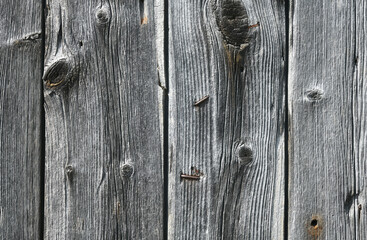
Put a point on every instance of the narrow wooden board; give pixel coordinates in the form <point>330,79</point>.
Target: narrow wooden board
<point>103,104</point>
<point>359,105</point>
<point>327,120</point>
<point>230,145</point>
<point>20,118</point>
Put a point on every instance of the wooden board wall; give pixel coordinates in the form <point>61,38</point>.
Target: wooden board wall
<point>110,133</point>
<point>103,105</point>
<point>232,144</point>
<point>20,118</point>
<point>327,116</point>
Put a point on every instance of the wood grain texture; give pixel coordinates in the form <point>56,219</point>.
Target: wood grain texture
<point>359,106</point>
<point>327,120</point>
<point>20,118</point>
<point>234,140</point>
<point>103,132</point>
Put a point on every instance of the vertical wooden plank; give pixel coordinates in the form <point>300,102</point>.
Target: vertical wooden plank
<point>20,118</point>
<point>326,106</point>
<point>103,132</point>
<point>359,106</point>
<point>230,146</point>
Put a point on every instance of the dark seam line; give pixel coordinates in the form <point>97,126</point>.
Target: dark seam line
<point>165,122</point>
<point>42,128</point>
<point>286,120</point>
<point>355,193</point>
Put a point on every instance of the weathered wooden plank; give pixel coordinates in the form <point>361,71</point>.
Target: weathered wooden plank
<point>230,146</point>
<point>20,118</point>
<point>359,206</point>
<point>103,133</point>
<point>326,112</point>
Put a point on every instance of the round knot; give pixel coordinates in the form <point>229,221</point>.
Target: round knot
<point>244,154</point>
<point>103,15</point>
<point>126,170</point>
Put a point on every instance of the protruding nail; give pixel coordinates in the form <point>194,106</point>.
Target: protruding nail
<point>254,25</point>
<point>202,100</point>
<point>190,177</point>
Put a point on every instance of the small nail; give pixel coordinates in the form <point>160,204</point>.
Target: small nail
<point>197,103</point>
<point>190,177</point>
<point>255,25</point>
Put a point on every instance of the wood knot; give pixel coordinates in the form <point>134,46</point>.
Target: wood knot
<point>59,74</point>
<point>244,154</point>
<point>126,170</point>
<point>232,20</point>
<point>103,15</point>
<point>314,95</point>
<point>29,39</point>
<point>56,74</point>
<point>69,172</point>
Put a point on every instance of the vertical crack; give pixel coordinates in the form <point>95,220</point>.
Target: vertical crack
<point>59,33</point>
<point>286,119</point>
<point>165,121</point>
<point>355,167</point>
<point>42,127</point>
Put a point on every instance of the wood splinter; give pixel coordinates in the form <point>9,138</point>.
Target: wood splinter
<point>190,177</point>
<point>197,103</point>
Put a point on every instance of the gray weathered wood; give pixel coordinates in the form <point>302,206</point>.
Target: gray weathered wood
<point>359,106</point>
<point>103,133</point>
<point>234,140</point>
<point>20,118</point>
<point>327,114</point>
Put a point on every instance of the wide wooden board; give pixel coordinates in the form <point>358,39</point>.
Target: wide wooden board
<point>103,104</point>
<point>226,153</point>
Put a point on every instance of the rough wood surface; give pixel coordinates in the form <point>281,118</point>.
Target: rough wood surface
<point>20,118</point>
<point>103,133</point>
<point>230,145</point>
<point>327,113</point>
<point>359,207</point>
